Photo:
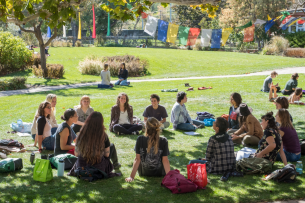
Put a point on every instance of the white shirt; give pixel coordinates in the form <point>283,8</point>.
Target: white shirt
<point>124,118</point>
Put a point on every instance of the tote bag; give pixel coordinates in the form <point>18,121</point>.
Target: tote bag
<point>42,170</point>
<point>197,173</point>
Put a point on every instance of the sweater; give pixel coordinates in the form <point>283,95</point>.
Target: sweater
<point>251,127</point>
<point>123,74</point>
<point>105,76</point>
<point>180,115</point>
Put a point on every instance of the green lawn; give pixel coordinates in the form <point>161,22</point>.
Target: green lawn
<point>164,63</point>
<point>20,187</point>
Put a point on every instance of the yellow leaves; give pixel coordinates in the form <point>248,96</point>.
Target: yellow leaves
<point>209,8</point>
<point>124,1</point>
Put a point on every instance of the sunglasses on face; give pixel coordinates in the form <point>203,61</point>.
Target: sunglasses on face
<point>48,107</point>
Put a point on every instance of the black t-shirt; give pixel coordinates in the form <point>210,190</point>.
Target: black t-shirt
<point>158,113</point>
<point>41,122</point>
<point>57,149</point>
<point>151,163</point>
<point>107,142</point>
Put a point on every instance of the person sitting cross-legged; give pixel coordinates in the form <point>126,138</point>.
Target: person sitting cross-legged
<point>268,82</point>
<point>123,75</point>
<point>151,152</point>
<point>180,117</point>
<point>157,111</point>
<point>291,85</point>
<point>220,156</point>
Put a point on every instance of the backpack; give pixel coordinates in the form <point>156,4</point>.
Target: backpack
<point>204,115</point>
<point>254,165</point>
<point>287,174</point>
<point>177,183</point>
<point>10,164</point>
<point>11,142</point>
<point>302,146</point>
<point>90,173</point>
<point>69,160</point>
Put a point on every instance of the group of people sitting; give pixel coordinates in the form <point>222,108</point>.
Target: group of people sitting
<point>291,88</point>
<point>105,76</point>
<point>83,134</point>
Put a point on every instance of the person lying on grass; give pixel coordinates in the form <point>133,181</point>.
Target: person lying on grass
<point>268,82</point>
<point>64,135</point>
<point>235,100</point>
<point>296,96</point>
<point>220,157</point>
<point>180,117</point>
<point>291,85</point>
<point>51,98</point>
<point>93,147</point>
<point>45,138</point>
<point>151,152</point>
<point>250,131</point>
<point>83,110</point>
<point>157,111</point>
<point>290,139</point>
<point>271,143</point>
<point>282,103</point>
<point>121,121</point>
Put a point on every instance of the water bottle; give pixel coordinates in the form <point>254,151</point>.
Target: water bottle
<point>61,168</point>
<point>299,167</point>
<point>19,123</point>
<point>32,158</point>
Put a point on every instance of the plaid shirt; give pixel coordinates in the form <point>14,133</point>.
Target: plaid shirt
<point>220,156</point>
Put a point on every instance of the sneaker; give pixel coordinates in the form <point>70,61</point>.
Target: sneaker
<point>117,165</point>
<point>201,126</point>
<point>225,176</point>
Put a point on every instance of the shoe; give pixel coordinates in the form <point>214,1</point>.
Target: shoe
<point>202,88</point>
<point>135,133</point>
<point>117,165</point>
<point>225,176</point>
<point>190,89</point>
<point>201,126</point>
<point>187,85</point>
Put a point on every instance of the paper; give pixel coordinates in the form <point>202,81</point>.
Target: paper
<point>191,133</point>
<point>23,134</point>
<point>244,153</point>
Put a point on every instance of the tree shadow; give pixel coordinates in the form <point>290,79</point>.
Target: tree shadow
<point>300,128</point>
<point>24,73</point>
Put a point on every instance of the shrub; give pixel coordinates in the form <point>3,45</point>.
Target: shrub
<point>78,43</point>
<point>14,56</point>
<point>198,47</point>
<point>54,71</point>
<point>29,38</point>
<point>93,65</point>
<point>13,84</point>
<point>277,46</point>
<point>296,39</point>
<point>295,52</point>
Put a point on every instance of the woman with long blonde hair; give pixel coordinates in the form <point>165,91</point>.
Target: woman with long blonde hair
<point>121,121</point>
<point>83,111</point>
<point>151,152</point>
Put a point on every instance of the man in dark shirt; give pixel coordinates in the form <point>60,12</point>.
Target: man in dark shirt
<point>157,111</point>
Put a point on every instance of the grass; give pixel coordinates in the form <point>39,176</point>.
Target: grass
<point>164,63</point>
<point>20,186</point>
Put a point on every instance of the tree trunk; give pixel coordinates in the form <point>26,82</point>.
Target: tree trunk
<point>135,26</point>
<point>43,60</point>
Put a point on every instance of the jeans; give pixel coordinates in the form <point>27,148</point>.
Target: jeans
<point>49,142</point>
<point>188,126</point>
<point>291,157</point>
<point>126,129</point>
<point>197,161</point>
<point>105,86</point>
<point>122,83</point>
<point>113,154</point>
<point>53,131</point>
<point>287,92</point>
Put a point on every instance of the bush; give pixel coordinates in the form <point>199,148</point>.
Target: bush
<point>78,43</point>
<point>54,71</point>
<point>277,46</point>
<point>29,38</point>
<point>296,39</point>
<point>113,45</point>
<point>93,65</point>
<point>14,56</point>
<point>13,84</point>
<point>198,47</point>
<point>295,52</point>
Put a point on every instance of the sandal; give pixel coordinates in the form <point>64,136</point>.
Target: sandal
<point>202,88</point>
<point>190,89</point>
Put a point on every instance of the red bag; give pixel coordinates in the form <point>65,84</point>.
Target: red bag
<point>233,116</point>
<point>197,173</point>
<point>225,116</point>
<point>177,183</point>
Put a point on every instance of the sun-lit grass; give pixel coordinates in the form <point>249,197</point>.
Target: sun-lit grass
<point>20,187</point>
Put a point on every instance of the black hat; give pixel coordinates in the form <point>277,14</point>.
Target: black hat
<point>243,110</point>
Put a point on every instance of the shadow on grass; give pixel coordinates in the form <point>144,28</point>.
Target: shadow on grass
<point>300,128</point>
<point>24,73</point>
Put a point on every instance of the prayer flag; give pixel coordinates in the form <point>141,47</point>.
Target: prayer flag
<point>285,21</point>
<point>259,22</point>
<point>64,31</point>
<point>79,28</point>
<point>225,35</point>
<point>269,24</point>
<point>162,30</point>
<point>172,33</point>
<point>285,14</point>
<point>277,18</point>
<point>193,35</point>
<point>269,18</point>
<point>301,21</point>
<point>144,15</point>
<point>286,25</point>
<point>93,30</point>
<point>249,34</point>
<point>216,37</point>
<point>293,22</point>
<point>249,24</point>
<point>206,35</point>
<point>183,33</point>
<point>49,33</point>
<point>151,26</point>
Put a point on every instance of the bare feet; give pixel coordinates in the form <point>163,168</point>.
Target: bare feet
<point>32,145</point>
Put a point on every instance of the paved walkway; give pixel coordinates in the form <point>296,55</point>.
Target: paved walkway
<point>52,88</point>
<point>290,201</point>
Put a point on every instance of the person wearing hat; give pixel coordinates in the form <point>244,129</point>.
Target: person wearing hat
<point>291,85</point>
<point>250,131</point>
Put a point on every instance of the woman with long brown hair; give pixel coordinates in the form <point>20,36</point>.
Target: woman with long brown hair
<point>123,75</point>
<point>93,147</point>
<point>122,117</point>
<point>151,152</point>
<point>235,100</point>
<point>290,139</point>
<point>296,96</point>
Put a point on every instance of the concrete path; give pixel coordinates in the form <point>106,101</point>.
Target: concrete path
<point>52,88</point>
<point>290,201</point>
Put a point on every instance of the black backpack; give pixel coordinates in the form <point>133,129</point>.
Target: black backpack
<point>302,146</point>
<point>287,174</point>
<point>90,173</point>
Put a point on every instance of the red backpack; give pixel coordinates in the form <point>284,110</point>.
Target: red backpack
<point>177,183</point>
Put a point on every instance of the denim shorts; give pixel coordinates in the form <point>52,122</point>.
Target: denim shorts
<point>49,142</point>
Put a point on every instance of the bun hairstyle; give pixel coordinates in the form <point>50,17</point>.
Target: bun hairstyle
<point>123,65</point>
<point>69,113</point>
<point>153,134</point>
<point>294,76</point>
<point>271,120</point>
